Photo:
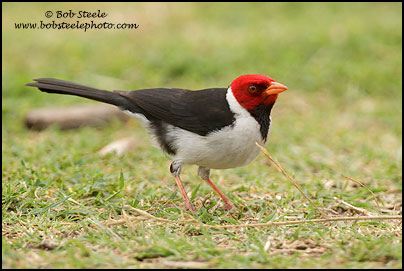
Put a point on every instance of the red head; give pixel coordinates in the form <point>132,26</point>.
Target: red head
<point>252,90</point>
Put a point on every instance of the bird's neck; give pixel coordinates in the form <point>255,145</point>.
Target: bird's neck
<point>262,116</point>
<point>261,113</point>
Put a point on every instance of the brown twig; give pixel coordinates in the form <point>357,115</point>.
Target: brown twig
<point>143,216</point>
<point>125,221</point>
<point>147,216</point>
<point>294,222</point>
<point>350,206</point>
<point>288,177</point>
<point>361,184</point>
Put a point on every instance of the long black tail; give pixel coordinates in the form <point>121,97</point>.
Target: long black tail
<point>52,85</point>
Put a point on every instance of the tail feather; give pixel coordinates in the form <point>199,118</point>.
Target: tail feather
<point>58,86</point>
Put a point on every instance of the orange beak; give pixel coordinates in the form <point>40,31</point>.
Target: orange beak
<point>275,88</point>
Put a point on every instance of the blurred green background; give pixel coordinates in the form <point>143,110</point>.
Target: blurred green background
<point>342,113</point>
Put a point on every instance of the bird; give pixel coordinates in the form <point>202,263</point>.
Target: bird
<point>212,128</point>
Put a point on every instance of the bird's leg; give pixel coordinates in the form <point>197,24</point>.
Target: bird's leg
<point>175,169</point>
<point>204,174</point>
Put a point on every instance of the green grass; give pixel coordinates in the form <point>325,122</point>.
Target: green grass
<point>341,115</point>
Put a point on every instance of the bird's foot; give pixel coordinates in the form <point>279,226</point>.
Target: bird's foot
<point>190,207</point>
<point>230,206</point>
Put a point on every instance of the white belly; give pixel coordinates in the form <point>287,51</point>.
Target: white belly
<point>233,146</point>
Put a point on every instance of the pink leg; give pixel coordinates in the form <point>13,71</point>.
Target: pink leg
<point>229,204</point>
<point>188,204</point>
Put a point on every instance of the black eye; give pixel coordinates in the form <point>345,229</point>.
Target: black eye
<point>252,89</point>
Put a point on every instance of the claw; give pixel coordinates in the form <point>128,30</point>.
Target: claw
<point>229,205</point>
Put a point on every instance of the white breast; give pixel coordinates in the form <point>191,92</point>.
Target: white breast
<point>232,146</point>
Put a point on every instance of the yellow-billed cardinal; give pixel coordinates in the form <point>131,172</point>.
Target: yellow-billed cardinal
<point>213,128</point>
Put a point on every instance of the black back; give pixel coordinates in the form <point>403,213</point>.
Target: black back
<point>200,112</point>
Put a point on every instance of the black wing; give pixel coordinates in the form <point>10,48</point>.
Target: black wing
<point>200,111</point>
